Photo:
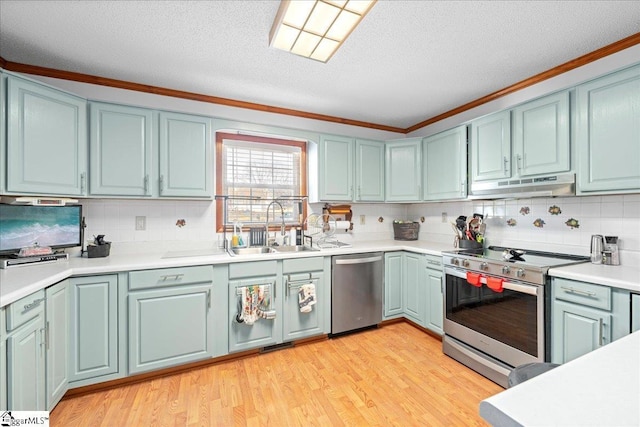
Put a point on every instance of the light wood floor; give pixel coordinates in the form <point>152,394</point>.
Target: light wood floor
<point>395,375</point>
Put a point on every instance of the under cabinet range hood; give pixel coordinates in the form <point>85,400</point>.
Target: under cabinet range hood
<point>545,186</point>
<point>37,201</point>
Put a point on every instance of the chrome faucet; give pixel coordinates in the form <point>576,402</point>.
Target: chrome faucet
<point>266,224</point>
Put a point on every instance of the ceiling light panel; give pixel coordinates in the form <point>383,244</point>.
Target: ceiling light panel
<point>316,28</point>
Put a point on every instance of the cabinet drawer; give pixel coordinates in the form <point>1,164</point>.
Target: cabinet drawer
<point>251,269</point>
<point>25,309</point>
<point>583,293</point>
<point>170,277</point>
<point>302,264</point>
<point>434,262</point>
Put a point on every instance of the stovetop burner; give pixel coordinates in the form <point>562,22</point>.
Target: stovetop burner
<point>511,263</point>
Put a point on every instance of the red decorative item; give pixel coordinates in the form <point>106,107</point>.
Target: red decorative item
<point>474,279</point>
<point>495,284</point>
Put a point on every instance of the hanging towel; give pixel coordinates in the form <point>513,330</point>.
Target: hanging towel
<point>254,301</point>
<point>474,279</point>
<point>495,284</point>
<point>306,297</point>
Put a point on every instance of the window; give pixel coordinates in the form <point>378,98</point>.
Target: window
<point>257,170</point>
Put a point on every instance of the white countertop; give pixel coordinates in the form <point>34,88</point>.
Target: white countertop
<point>617,276</point>
<point>18,282</point>
<point>601,388</point>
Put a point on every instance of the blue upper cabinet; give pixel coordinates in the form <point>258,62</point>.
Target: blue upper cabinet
<point>608,132</point>
<point>185,156</point>
<point>335,174</point>
<point>491,147</point>
<point>403,164</point>
<point>121,140</point>
<point>541,136</point>
<point>3,134</point>
<point>445,165</point>
<point>46,140</point>
<point>369,171</point>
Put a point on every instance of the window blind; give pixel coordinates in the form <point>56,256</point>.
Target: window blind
<point>264,171</point>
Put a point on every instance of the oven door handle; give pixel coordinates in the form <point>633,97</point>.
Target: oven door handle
<point>512,286</point>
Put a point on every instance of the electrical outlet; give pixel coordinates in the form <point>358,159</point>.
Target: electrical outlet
<point>141,223</point>
<point>362,219</point>
<point>444,217</point>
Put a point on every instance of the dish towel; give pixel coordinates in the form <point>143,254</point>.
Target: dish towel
<point>306,297</point>
<point>254,299</point>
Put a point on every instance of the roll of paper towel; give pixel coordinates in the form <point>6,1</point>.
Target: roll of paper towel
<point>342,225</point>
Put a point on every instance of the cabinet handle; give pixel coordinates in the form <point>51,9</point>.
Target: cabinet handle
<point>46,335</point>
<point>462,188</point>
<point>175,277</point>
<point>351,192</point>
<point>32,305</point>
<point>83,176</point>
<point>273,285</point>
<point>359,193</point>
<point>146,184</point>
<point>506,161</point>
<point>579,292</point>
<point>434,263</point>
<point>208,298</point>
<point>42,340</point>
<point>601,339</point>
<point>161,185</point>
<point>518,162</point>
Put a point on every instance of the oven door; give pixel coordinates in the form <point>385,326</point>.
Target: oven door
<point>507,325</point>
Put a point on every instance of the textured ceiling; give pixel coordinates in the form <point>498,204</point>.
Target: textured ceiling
<point>407,61</point>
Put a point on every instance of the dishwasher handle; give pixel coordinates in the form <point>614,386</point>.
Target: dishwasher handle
<point>359,260</point>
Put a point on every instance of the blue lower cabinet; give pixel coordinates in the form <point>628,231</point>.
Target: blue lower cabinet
<point>256,324</point>
<point>94,326</point>
<point>578,330</point>
<point>169,327</point>
<point>57,342</point>
<point>303,305</point>
<point>435,300</point>
<point>3,363</point>
<point>26,367</point>
<point>393,294</point>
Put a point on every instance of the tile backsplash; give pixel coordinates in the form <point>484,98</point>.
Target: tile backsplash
<point>567,223</point>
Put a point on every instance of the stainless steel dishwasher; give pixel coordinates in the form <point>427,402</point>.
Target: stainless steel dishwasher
<point>356,291</point>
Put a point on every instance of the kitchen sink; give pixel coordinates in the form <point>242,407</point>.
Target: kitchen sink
<point>293,248</point>
<point>271,249</point>
<point>252,251</point>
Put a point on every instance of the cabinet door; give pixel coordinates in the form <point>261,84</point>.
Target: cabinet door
<point>26,367</point>
<point>185,156</point>
<point>578,330</point>
<point>46,140</point>
<point>3,135</point>
<point>263,332</point>
<point>393,306</point>
<point>491,147</point>
<point>169,327</point>
<point>608,132</point>
<point>298,324</point>
<point>413,287</point>
<point>403,175</point>
<point>541,136</point>
<point>94,327</point>
<point>335,159</point>
<point>3,369</point>
<point>369,171</point>
<point>57,341</point>
<point>635,312</point>
<point>445,165</point>
<point>435,301</point>
<point>121,142</point>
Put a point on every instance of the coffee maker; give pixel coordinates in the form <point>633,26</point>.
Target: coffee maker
<point>610,254</point>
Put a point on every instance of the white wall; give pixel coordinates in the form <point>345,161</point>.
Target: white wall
<point>617,215</point>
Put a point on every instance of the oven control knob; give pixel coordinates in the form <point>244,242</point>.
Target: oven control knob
<point>465,263</point>
<point>484,266</point>
<point>520,272</point>
<point>506,269</point>
<point>455,261</point>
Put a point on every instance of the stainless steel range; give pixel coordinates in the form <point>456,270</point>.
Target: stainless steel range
<point>497,308</point>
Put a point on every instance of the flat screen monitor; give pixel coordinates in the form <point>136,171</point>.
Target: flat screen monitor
<point>54,226</point>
